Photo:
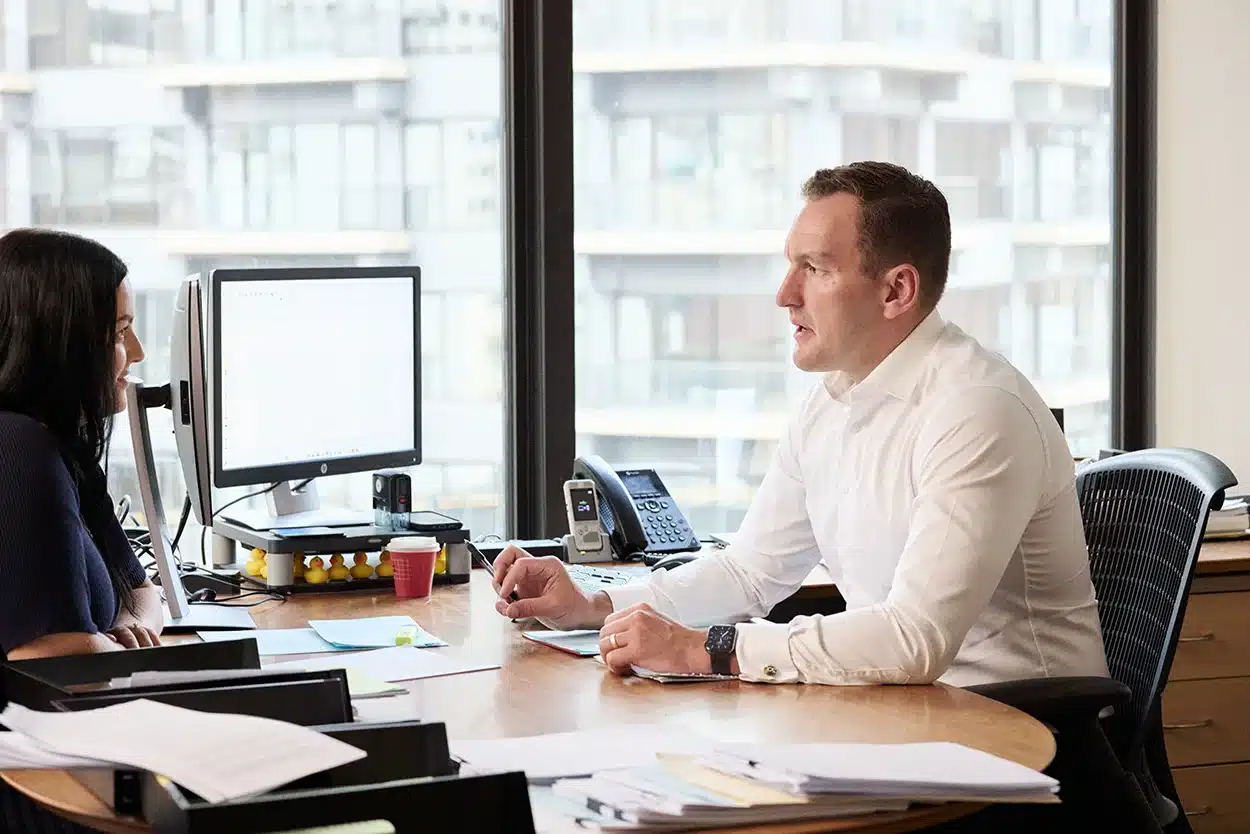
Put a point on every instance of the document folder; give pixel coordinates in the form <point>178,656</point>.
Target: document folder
<point>408,778</point>
<point>37,683</point>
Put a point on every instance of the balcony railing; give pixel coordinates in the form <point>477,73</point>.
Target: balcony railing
<point>938,25</point>
<point>679,383</point>
<point>309,208</point>
<point>743,204</point>
<point>170,207</point>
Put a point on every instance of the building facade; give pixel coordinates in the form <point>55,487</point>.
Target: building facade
<point>193,134</point>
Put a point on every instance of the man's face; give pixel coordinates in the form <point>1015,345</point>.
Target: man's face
<point>833,305</point>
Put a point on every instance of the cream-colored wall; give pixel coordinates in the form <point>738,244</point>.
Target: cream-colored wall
<point>1202,359</point>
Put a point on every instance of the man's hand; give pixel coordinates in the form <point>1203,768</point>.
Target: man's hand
<point>640,636</point>
<point>132,635</point>
<point>541,588</point>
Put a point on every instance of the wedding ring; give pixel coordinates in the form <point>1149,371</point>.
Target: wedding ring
<point>612,641</point>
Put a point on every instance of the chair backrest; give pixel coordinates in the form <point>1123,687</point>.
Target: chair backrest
<point>1144,515</point>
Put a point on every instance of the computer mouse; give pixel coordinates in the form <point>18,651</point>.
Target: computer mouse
<point>673,561</point>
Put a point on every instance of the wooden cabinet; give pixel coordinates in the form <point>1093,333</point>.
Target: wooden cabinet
<point>1205,723</point>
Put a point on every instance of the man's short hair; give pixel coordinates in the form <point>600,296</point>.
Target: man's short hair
<point>903,219</point>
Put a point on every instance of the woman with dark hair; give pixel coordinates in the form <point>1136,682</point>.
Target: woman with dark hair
<point>69,580</point>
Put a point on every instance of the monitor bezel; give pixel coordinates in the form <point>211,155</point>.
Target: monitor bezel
<point>275,473</point>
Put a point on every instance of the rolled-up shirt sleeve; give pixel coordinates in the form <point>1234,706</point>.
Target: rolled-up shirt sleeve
<point>980,464</point>
<point>770,556</point>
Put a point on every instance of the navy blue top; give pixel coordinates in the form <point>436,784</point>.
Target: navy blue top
<point>53,578</point>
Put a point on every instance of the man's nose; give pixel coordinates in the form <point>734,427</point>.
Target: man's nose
<point>788,293</point>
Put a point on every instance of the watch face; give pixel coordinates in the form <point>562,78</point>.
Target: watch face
<point>721,639</point>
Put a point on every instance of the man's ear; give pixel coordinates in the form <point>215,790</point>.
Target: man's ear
<point>901,285</point>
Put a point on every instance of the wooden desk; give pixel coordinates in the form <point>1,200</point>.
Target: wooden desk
<point>539,690</point>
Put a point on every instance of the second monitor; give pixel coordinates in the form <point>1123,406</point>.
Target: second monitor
<point>311,372</point>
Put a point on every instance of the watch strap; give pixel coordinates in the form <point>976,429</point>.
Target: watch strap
<point>720,643</point>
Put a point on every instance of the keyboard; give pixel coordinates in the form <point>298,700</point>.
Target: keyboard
<point>596,579</point>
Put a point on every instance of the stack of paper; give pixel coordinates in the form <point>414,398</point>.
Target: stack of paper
<point>929,772</point>
<point>1230,520</point>
<point>218,756</point>
<point>662,778</point>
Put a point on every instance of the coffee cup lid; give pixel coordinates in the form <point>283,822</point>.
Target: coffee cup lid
<point>414,543</point>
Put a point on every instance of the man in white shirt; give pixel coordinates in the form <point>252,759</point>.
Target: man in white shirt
<point>924,469</point>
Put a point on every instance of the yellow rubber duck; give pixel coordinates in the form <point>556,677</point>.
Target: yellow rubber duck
<point>362,569</point>
<point>440,564</point>
<point>255,565</point>
<point>264,566</point>
<point>316,574</point>
<point>385,568</point>
<point>297,568</point>
<point>338,572</point>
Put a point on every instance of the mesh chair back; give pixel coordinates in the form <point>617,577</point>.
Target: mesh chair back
<point>1144,516</point>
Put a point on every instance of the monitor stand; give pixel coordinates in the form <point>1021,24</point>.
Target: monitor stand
<point>203,617</point>
<point>181,615</point>
<point>287,507</point>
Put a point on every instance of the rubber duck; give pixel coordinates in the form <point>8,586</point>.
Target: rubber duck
<point>440,563</point>
<point>362,569</point>
<point>338,572</point>
<point>385,568</point>
<point>297,568</point>
<point>264,566</point>
<point>316,573</point>
<point>255,565</point>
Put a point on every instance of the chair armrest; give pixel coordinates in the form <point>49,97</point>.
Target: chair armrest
<point>1059,700</point>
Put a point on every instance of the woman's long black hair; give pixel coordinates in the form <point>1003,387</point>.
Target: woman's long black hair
<point>58,321</point>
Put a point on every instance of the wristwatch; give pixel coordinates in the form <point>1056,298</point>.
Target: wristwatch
<point>720,643</point>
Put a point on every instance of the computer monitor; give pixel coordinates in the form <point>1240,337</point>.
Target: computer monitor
<point>313,372</point>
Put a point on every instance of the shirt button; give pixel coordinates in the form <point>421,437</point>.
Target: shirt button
<point>770,671</point>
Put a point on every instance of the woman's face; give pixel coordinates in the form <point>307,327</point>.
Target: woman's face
<point>127,350</point>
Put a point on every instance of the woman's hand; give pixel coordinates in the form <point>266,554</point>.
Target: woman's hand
<point>134,635</point>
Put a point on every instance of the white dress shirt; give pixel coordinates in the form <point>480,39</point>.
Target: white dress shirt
<point>940,493</point>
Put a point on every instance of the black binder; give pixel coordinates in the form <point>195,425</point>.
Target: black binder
<point>37,683</point>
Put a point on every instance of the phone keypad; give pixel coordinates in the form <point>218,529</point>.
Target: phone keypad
<point>667,531</point>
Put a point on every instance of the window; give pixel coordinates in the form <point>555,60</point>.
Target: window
<point>687,178</point>
<point>74,33</point>
<point>122,176</point>
<point>336,171</point>
<point>305,176</point>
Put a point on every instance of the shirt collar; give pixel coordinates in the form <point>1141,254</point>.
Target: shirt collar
<point>898,374</point>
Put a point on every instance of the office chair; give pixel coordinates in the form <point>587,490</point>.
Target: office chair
<point>1144,515</point>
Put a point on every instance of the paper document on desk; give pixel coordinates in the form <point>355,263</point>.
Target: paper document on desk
<point>578,753</point>
<point>275,641</point>
<point>398,663</point>
<point>674,677</point>
<point>218,756</point>
<point>582,642</point>
<point>931,771</point>
<point>371,632</point>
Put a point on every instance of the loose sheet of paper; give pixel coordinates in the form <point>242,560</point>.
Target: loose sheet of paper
<point>277,641</point>
<point>371,632</point>
<point>579,753</point>
<point>19,752</point>
<point>583,642</point>
<point>398,663</point>
<point>218,756</point>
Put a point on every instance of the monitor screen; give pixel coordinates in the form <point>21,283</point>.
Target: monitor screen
<point>315,372</point>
